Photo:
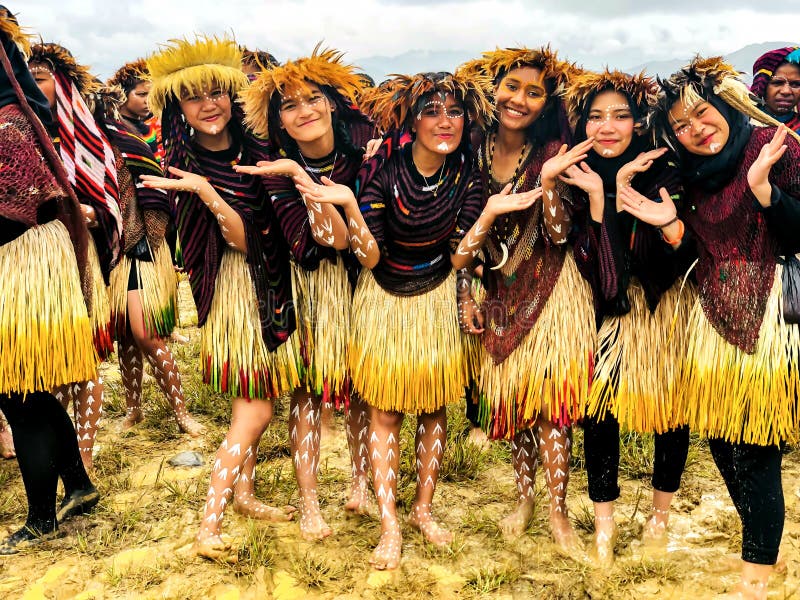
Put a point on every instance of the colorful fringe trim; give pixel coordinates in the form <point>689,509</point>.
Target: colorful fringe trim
<point>101,307</point>
<point>549,373</point>
<point>739,397</point>
<point>639,360</point>
<point>323,301</point>
<point>158,293</point>
<point>406,353</point>
<point>45,332</point>
<point>232,351</point>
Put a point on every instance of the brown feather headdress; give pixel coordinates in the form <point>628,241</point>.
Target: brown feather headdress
<point>495,64</point>
<point>131,74</point>
<point>703,76</point>
<point>641,88</point>
<point>182,65</point>
<point>10,27</point>
<point>60,59</point>
<point>323,67</point>
<point>394,103</point>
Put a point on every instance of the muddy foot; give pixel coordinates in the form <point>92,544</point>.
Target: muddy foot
<point>566,540</point>
<point>214,548</point>
<point>312,524</point>
<point>188,425</point>
<point>386,555</point>
<point>248,506</point>
<point>422,519</point>
<point>605,539</point>
<point>359,497</point>
<point>515,524</point>
<point>133,417</point>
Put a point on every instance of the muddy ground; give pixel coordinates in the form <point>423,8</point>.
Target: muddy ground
<point>135,544</point>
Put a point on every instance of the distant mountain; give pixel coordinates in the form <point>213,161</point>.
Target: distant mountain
<point>415,61</point>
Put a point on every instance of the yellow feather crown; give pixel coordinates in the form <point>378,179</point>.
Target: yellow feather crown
<point>323,67</point>
<point>392,104</point>
<point>641,88</point>
<point>184,66</point>
<point>60,59</point>
<point>129,75</point>
<point>10,28</point>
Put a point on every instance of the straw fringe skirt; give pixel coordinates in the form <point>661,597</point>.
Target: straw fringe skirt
<point>406,353</point>
<point>323,302</point>
<point>100,314</point>
<point>639,360</point>
<point>45,332</point>
<point>158,293</point>
<point>744,398</point>
<point>232,351</point>
<point>548,374</point>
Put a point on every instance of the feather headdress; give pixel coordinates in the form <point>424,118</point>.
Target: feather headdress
<point>394,103</point>
<point>60,59</point>
<point>642,89</point>
<point>10,27</point>
<point>184,66</point>
<point>108,99</point>
<point>323,67</point>
<point>703,76</point>
<point>131,74</point>
<point>495,64</point>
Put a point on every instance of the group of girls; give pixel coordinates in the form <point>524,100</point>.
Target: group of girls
<point>520,229</point>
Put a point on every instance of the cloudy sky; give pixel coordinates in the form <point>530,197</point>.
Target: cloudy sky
<point>622,33</point>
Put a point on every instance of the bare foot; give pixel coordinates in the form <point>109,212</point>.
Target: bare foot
<point>6,443</point>
<point>188,425</point>
<point>386,555</point>
<point>654,533</point>
<point>133,417</point>
<point>214,548</point>
<point>359,497</point>
<point>566,540</point>
<point>312,524</point>
<point>478,438</point>
<point>753,590</point>
<point>422,519</point>
<point>248,506</point>
<point>515,524</point>
<point>605,539</point>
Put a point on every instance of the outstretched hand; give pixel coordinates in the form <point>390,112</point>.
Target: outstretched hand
<point>640,164</point>
<point>506,202</point>
<point>327,193</point>
<point>184,181</point>
<point>646,210</point>
<point>559,163</point>
<point>758,173</point>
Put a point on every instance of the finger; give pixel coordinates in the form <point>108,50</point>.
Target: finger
<point>563,149</point>
<point>327,181</point>
<point>246,169</point>
<point>567,179</point>
<point>177,171</point>
<point>586,168</point>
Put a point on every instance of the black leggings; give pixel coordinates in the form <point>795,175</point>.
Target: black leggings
<point>601,450</point>
<point>753,477</point>
<point>47,449</point>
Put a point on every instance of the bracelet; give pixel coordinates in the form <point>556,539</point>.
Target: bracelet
<point>668,223</point>
<point>681,231</point>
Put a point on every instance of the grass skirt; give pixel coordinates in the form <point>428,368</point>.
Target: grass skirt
<point>406,353</point>
<point>548,374</point>
<point>158,292</point>
<point>101,306</point>
<point>323,301</point>
<point>233,355</point>
<point>45,332</point>
<point>639,359</point>
<point>744,398</point>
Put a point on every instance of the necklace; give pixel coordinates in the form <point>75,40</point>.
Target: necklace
<point>428,187</point>
<point>317,172</point>
<point>490,161</point>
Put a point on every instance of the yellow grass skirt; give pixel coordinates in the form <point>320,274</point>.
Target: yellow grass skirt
<point>158,293</point>
<point>45,332</point>
<point>548,374</point>
<point>744,398</point>
<point>406,353</point>
<point>323,302</point>
<point>101,306</point>
<point>639,359</point>
<point>232,351</point>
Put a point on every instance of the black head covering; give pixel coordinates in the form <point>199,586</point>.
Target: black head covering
<point>19,64</point>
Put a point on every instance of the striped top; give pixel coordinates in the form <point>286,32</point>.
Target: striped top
<point>415,230</point>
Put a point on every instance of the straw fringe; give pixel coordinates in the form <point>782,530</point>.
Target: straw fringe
<point>158,293</point>
<point>744,398</point>
<point>407,353</point>
<point>548,374</point>
<point>232,351</point>
<point>100,313</point>
<point>45,332</point>
<point>639,360</point>
<point>323,301</point>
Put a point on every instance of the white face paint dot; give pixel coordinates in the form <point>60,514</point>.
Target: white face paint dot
<point>714,147</point>
<point>607,152</point>
<point>443,147</point>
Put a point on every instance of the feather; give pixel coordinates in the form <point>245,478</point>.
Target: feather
<point>129,75</point>
<point>641,88</point>
<point>60,59</point>
<point>323,67</point>
<point>10,28</point>
<point>183,66</point>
